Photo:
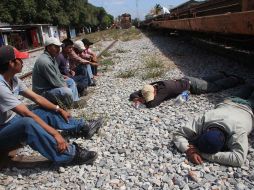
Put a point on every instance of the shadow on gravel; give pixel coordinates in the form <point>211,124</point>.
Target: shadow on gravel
<point>198,62</point>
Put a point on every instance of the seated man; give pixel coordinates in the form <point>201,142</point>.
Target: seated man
<point>37,128</point>
<point>220,135</point>
<point>153,94</point>
<point>90,55</point>
<point>63,61</point>
<point>49,82</point>
<point>79,50</point>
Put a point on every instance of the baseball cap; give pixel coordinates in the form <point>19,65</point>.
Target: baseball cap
<point>79,45</point>
<point>8,53</point>
<point>52,40</point>
<point>211,141</point>
<point>87,42</point>
<point>148,92</point>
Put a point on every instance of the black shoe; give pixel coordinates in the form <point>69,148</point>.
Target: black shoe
<point>93,83</point>
<point>92,127</point>
<point>84,92</point>
<point>240,79</point>
<point>83,156</point>
<point>224,73</point>
<point>79,104</point>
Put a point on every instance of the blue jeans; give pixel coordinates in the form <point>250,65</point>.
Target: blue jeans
<point>63,96</point>
<point>81,77</point>
<point>25,129</point>
<point>72,85</point>
<point>212,83</point>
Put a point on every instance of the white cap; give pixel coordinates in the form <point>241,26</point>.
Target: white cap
<point>52,40</point>
<point>79,45</point>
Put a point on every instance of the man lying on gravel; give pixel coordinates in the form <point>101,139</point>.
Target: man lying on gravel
<point>153,94</point>
<point>48,81</point>
<point>37,128</point>
<point>220,135</point>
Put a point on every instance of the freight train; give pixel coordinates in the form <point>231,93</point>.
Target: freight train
<point>227,17</point>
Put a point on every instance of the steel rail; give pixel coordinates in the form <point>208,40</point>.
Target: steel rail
<point>28,74</point>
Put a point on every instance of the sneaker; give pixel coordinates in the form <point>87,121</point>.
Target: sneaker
<point>84,92</point>
<point>92,127</point>
<point>79,104</point>
<point>240,79</point>
<point>224,73</point>
<point>83,156</point>
<point>93,83</point>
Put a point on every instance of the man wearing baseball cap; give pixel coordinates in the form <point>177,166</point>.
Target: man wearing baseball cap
<point>220,135</point>
<point>48,81</point>
<point>155,93</point>
<point>37,128</point>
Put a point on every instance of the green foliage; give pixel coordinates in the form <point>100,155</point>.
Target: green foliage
<point>78,13</point>
<point>126,74</point>
<point>153,74</point>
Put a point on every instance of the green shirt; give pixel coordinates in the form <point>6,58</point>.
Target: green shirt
<point>46,74</point>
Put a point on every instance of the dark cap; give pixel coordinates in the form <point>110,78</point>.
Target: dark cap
<point>87,42</point>
<point>8,53</point>
<point>211,141</point>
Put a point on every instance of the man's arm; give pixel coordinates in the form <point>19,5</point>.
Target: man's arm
<point>22,110</point>
<point>236,156</point>
<point>77,59</point>
<point>44,103</point>
<point>50,73</point>
<point>188,133</point>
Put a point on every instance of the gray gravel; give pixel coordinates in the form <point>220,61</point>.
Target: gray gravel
<point>135,145</point>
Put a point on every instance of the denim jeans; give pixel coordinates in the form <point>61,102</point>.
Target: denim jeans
<point>213,83</point>
<point>81,77</point>
<point>25,129</point>
<point>64,96</point>
<point>72,85</point>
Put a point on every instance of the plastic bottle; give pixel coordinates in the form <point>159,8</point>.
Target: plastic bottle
<point>183,97</point>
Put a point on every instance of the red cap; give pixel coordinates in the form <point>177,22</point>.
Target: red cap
<point>19,54</point>
<point>8,53</point>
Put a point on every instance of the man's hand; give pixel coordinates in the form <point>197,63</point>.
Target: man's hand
<point>140,99</point>
<point>66,115</point>
<point>62,145</point>
<point>193,155</point>
<point>72,73</point>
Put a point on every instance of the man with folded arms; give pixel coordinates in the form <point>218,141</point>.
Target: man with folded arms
<point>37,128</point>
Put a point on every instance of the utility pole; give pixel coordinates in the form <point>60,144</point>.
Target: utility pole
<point>137,11</point>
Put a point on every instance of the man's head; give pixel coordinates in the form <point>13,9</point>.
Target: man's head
<point>148,92</point>
<point>78,45</point>
<point>52,46</point>
<point>67,45</point>
<point>87,43</point>
<point>10,56</point>
<point>211,141</point>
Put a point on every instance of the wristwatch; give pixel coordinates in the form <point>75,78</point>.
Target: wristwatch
<point>57,108</point>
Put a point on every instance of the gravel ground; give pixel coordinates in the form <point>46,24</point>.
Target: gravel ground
<point>135,145</point>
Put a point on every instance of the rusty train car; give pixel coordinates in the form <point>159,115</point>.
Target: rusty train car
<point>225,17</point>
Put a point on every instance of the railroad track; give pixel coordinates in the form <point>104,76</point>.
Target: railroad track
<point>29,74</point>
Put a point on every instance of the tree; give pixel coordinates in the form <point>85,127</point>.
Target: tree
<point>78,13</point>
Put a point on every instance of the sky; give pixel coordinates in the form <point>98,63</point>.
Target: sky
<point>137,8</point>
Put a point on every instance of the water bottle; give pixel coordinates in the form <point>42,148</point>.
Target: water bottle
<point>183,97</point>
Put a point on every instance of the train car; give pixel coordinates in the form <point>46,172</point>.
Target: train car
<point>227,17</point>
<point>125,21</point>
